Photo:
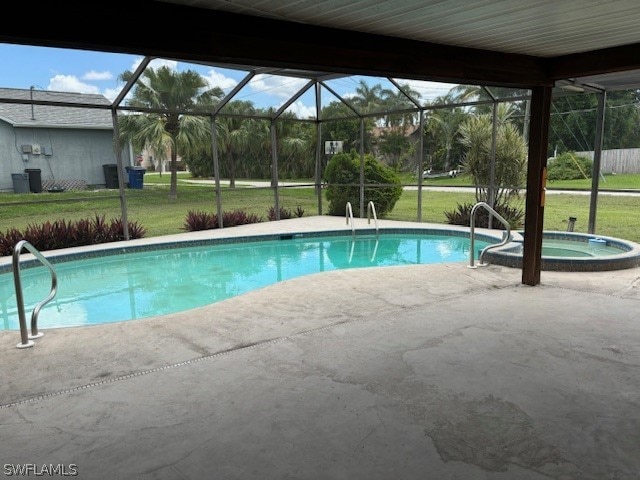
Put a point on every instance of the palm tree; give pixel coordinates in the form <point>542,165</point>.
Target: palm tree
<point>235,135</point>
<point>442,127</point>
<point>370,98</point>
<point>170,130</point>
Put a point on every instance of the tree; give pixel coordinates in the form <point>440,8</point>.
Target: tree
<point>234,135</point>
<point>442,132</point>
<point>395,143</point>
<point>346,130</point>
<point>573,122</point>
<point>370,99</point>
<point>169,130</point>
<point>510,159</point>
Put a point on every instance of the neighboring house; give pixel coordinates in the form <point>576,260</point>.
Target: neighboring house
<point>412,132</point>
<point>158,163</point>
<point>69,145</point>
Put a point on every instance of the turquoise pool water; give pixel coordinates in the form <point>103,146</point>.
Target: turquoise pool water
<point>137,285</point>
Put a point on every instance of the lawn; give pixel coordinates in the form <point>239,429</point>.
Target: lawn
<point>618,216</point>
<point>607,182</point>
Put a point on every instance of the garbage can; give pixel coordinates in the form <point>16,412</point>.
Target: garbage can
<point>136,176</point>
<point>110,175</point>
<point>35,179</point>
<point>20,182</point>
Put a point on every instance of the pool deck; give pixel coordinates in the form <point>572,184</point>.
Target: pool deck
<point>416,372</point>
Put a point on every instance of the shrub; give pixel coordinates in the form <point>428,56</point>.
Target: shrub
<point>8,241</point>
<point>66,234</point>
<point>462,216</point>
<point>569,166</point>
<point>200,165</point>
<point>196,221</point>
<point>285,213</point>
<point>382,184</point>
<point>239,217</point>
<point>299,211</point>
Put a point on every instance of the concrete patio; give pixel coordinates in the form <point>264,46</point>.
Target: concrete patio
<point>414,372</point>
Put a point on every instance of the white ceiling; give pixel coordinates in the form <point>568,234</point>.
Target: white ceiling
<point>544,28</point>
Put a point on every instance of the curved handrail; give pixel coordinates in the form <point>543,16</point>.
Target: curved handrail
<point>505,240</point>
<point>372,208</point>
<point>26,339</point>
<point>349,215</point>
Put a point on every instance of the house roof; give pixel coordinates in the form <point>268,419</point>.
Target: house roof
<point>54,113</point>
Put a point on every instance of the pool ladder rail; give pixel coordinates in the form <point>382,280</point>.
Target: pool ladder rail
<point>349,214</point>
<point>371,212</point>
<point>26,338</point>
<point>506,237</point>
<point>371,209</point>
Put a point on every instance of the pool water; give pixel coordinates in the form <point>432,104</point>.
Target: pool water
<point>559,248</point>
<point>138,285</point>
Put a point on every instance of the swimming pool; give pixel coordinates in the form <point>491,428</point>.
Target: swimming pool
<point>123,285</point>
<point>572,252</point>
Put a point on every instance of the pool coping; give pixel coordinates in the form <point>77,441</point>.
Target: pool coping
<point>630,258</point>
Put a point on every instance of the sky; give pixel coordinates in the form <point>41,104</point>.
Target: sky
<point>54,69</point>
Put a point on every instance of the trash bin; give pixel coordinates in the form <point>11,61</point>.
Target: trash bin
<point>110,175</point>
<point>35,179</point>
<point>136,176</point>
<point>20,182</point>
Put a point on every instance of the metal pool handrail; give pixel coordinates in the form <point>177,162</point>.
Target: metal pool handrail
<point>349,215</point>
<point>26,339</point>
<point>372,208</point>
<point>505,240</point>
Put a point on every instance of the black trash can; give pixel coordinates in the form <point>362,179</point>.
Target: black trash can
<point>35,179</point>
<point>136,176</point>
<point>110,175</point>
<point>20,182</point>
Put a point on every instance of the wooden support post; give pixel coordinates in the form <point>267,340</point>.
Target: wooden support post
<point>536,183</point>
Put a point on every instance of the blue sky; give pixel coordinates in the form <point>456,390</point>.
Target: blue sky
<point>97,72</point>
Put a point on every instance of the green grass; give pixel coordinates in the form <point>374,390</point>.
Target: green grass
<point>618,216</point>
<point>609,182</point>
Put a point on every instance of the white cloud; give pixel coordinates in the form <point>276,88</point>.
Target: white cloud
<point>156,63</point>
<point>97,76</point>
<point>427,90</point>
<point>70,83</point>
<point>217,79</point>
<point>281,87</point>
<point>301,110</point>
<point>112,93</point>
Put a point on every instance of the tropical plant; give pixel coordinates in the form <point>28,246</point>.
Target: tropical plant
<point>285,213</point>
<point>462,216</point>
<point>509,167</point>
<point>73,233</point>
<point>476,134</point>
<point>168,128</point>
